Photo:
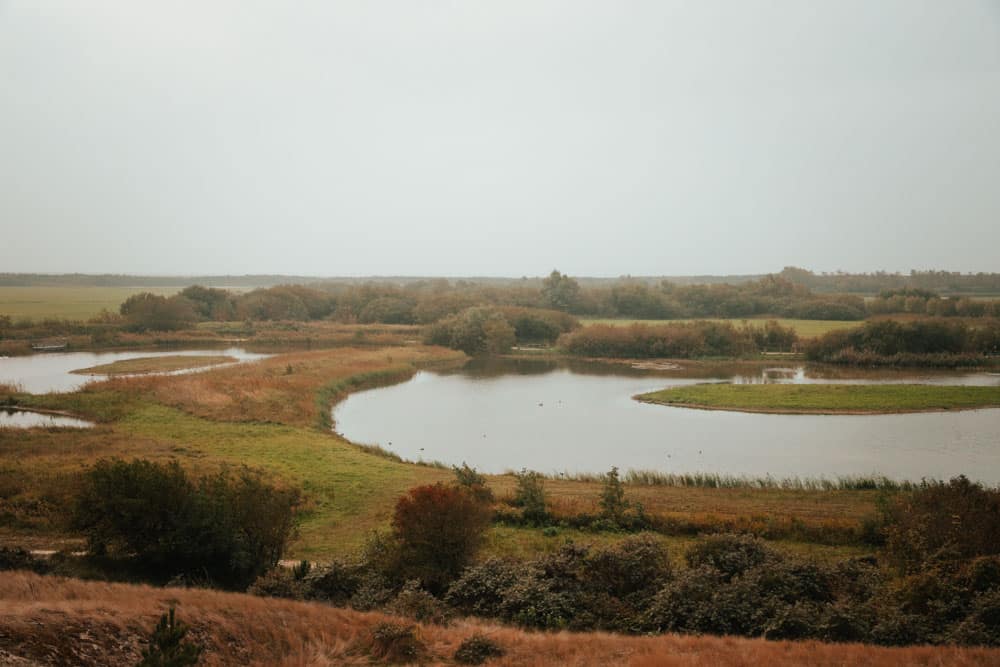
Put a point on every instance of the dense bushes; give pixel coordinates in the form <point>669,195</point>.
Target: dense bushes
<point>944,588</point>
<point>146,311</point>
<point>955,520</point>
<point>888,342</point>
<point>575,587</point>
<point>229,528</point>
<point>677,340</point>
<point>479,330</point>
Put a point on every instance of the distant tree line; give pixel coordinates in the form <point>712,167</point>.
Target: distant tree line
<point>949,282</point>
<point>925,302</point>
<point>426,302</point>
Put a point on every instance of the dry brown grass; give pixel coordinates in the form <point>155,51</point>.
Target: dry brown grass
<point>52,620</point>
<point>283,388</point>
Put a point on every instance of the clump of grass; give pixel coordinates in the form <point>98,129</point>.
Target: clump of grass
<point>394,643</point>
<point>477,649</point>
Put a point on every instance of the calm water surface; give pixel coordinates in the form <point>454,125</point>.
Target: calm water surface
<point>28,419</point>
<point>50,371</point>
<point>569,417</point>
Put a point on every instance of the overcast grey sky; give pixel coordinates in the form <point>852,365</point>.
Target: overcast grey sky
<point>499,138</point>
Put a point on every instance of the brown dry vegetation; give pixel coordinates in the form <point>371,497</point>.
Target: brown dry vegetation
<point>283,389</point>
<point>50,620</point>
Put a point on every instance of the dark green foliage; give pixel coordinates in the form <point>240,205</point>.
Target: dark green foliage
<point>395,643</point>
<point>921,342</point>
<point>729,555</point>
<point>416,603</point>
<point>335,582</point>
<point>613,504</point>
<point>952,520</point>
<point>157,313</point>
<point>530,497</point>
<point>538,325</point>
<point>16,558</point>
<point>279,582</point>
<point>475,331</point>
<point>210,303</point>
<point>685,604</point>
<point>674,340</point>
<point>167,646</point>
<point>560,292</point>
<point>477,649</point>
<point>389,310</point>
<point>617,513</point>
<point>230,528</point>
<point>480,590</point>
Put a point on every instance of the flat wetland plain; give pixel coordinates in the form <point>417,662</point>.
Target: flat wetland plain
<point>71,303</point>
<point>826,398</point>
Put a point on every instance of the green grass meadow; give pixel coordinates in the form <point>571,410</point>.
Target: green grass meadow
<point>69,303</point>
<point>824,398</point>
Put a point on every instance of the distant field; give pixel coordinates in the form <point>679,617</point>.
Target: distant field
<point>804,328</point>
<point>71,303</point>
<point>827,398</point>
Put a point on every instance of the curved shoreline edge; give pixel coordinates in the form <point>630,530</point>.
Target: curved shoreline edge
<point>642,398</point>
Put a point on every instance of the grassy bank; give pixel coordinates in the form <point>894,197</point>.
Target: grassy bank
<point>827,398</point>
<point>174,362</point>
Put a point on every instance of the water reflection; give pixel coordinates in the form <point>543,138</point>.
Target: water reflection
<point>567,416</point>
<point>51,372</point>
<point>10,418</point>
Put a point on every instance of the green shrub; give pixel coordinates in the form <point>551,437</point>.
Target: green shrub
<point>395,643</point>
<point>279,582</point>
<point>414,602</point>
<point>530,497</point>
<point>480,590</point>
<point>167,646</point>
<point>477,330</point>
<point>472,480</point>
<point>477,649</point>
<point>228,527</point>
<point>729,554</point>
<point>334,583</point>
<point>952,520</point>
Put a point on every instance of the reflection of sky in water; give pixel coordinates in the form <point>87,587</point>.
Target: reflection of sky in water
<point>560,420</point>
<point>50,371</point>
<point>26,419</point>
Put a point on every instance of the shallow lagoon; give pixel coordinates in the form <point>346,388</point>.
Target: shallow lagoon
<point>555,417</point>
<point>51,371</point>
